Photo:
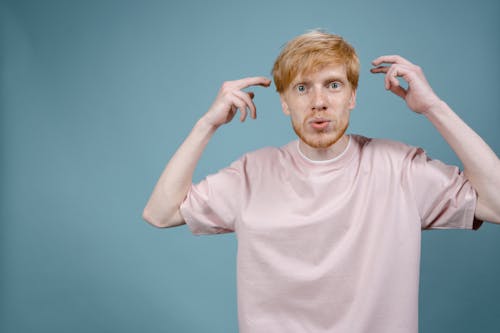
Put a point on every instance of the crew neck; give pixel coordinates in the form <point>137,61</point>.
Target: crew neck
<point>322,162</point>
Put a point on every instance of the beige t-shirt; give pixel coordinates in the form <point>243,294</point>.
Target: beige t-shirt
<point>330,246</point>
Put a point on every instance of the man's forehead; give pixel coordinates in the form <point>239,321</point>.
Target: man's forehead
<point>335,70</point>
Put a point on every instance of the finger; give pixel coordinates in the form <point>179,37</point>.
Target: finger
<point>252,81</point>
<point>243,113</point>
<point>241,105</point>
<point>391,59</point>
<point>405,72</point>
<point>379,69</point>
<point>392,82</point>
<point>390,74</point>
<point>387,77</point>
<point>391,78</point>
<point>231,114</point>
<point>400,91</point>
<point>245,97</point>
<point>254,110</point>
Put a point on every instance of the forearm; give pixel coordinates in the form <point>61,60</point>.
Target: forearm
<point>481,164</point>
<point>162,209</point>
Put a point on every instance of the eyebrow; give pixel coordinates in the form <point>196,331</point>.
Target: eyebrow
<point>329,78</point>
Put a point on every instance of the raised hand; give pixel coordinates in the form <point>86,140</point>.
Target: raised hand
<point>419,95</point>
<point>231,98</point>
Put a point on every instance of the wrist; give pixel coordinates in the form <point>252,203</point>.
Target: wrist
<point>205,126</point>
<point>435,108</point>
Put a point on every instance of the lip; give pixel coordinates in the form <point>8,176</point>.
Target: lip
<point>319,123</point>
<point>319,120</point>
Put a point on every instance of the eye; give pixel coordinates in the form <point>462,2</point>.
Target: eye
<point>335,85</point>
<point>301,88</point>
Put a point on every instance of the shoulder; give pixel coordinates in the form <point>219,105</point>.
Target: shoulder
<point>266,159</point>
<point>263,153</point>
<point>384,154</point>
<point>385,147</point>
<point>271,154</point>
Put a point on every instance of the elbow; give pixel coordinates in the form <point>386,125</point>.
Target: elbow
<point>492,218</point>
<point>161,222</point>
<point>152,220</point>
<point>495,218</point>
<point>488,210</point>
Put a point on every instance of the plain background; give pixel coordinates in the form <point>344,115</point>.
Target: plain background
<point>95,97</point>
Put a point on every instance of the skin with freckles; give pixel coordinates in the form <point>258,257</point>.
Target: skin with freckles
<point>319,105</point>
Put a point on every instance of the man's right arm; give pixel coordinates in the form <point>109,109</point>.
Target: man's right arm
<point>162,209</point>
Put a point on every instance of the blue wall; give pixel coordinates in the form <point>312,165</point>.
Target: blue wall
<point>95,97</point>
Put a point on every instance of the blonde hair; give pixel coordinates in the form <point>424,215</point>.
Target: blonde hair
<point>313,51</point>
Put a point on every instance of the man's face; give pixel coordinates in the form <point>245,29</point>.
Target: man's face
<point>319,105</point>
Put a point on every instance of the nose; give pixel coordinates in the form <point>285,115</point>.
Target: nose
<point>318,100</point>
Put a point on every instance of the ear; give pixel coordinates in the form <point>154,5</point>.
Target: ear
<point>284,105</point>
<point>352,100</point>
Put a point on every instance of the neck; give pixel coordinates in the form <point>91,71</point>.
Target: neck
<point>323,154</point>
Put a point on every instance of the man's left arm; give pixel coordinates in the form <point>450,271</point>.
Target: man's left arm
<point>481,164</point>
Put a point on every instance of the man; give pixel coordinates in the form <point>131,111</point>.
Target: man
<point>329,226</point>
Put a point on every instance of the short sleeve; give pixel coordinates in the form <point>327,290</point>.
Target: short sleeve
<point>212,206</point>
<point>445,199</point>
